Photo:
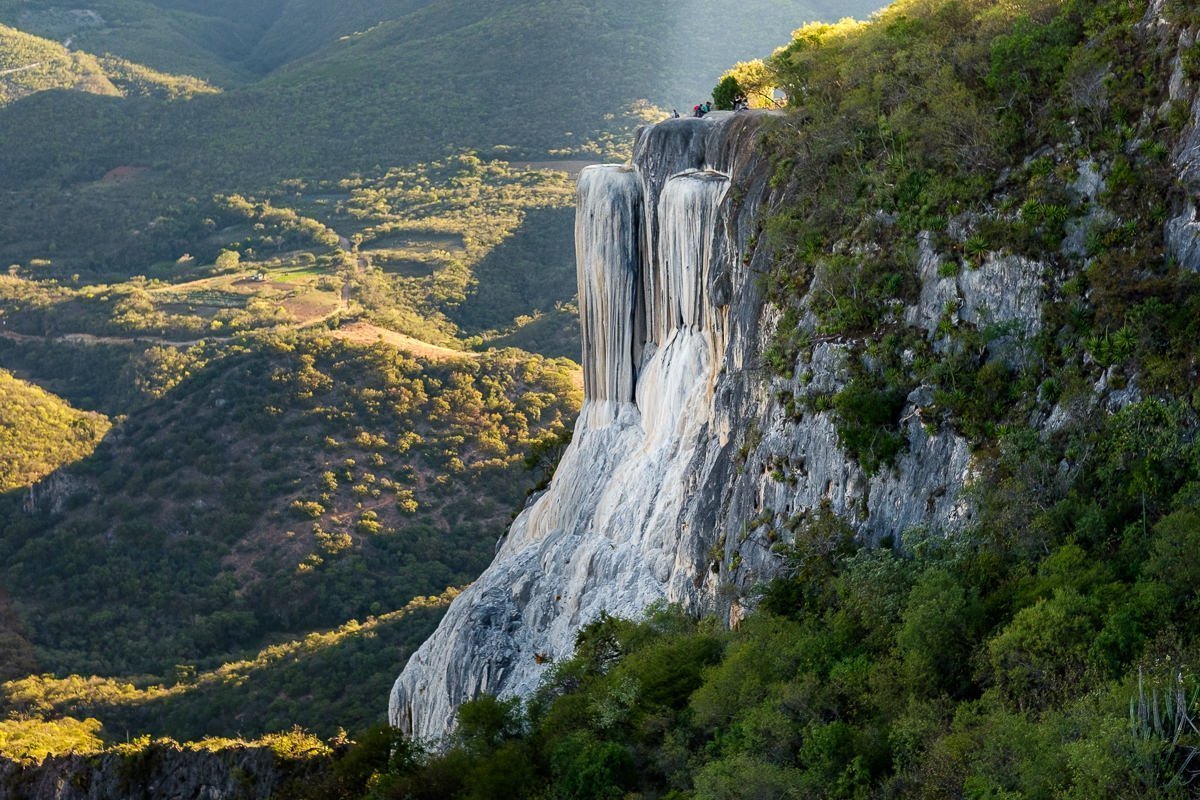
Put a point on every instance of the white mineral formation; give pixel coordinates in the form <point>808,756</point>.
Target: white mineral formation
<point>670,455</point>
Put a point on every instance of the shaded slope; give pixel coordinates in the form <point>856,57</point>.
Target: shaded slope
<point>292,484</point>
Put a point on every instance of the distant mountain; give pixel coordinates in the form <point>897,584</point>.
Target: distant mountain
<point>233,42</point>
<point>353,87</point>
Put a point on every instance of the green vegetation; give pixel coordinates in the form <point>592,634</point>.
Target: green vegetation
<point>277,466</point>
<point>890,145</point>
<point>255,490</point>
<point>456,248</point>
<point>31,740</point>
<point>283,685</point>
<point>749,78</point>
<point>286,482</point>
<point>1047,652</point>
<point>259,488</point>
<point>29,64</point>
<point>39,433</point>
<point>476,247</point>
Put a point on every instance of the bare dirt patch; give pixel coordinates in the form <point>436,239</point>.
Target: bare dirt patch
<point>306,308</point>
<point>366,333</point>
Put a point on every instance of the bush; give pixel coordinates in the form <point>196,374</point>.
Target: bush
<point>868,421</point>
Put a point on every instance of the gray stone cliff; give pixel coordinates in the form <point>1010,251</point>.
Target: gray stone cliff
<point>161,770</point>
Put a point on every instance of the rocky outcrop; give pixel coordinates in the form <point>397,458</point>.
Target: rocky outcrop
<point>1183,231</point>
<point>683,438</point>
<point>159,771</point>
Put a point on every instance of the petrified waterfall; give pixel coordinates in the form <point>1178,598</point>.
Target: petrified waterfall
<point>605,536</point>
<point>677,445</point>
<point>608,268</point>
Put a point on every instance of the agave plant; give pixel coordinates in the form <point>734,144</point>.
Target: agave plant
<point>1170,717</point>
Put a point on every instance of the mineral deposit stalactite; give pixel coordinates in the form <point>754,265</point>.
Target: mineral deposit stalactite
<point>608,265</point>
<point>605,537</point>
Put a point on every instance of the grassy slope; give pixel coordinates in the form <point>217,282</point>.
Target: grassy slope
<point>40,433</point>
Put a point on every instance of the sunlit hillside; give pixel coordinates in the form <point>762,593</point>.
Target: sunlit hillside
<point>30,64</point>
<point>39,433</point>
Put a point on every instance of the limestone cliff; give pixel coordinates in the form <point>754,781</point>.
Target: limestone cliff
<point>159,770</point>
<point>671,454</point>
<point>691,461</point>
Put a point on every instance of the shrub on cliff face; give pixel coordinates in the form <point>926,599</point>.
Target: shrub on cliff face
<point>980,148</point>
<point>868,428</point>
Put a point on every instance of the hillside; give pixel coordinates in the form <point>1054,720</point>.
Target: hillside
<point>200,39</point>
<point>40,433</point>
<point>29,65</point>
<point>302,440</point>
<point>284,484</point>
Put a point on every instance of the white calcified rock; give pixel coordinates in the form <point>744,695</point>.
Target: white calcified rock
<point>608,240</point>
<point>604,536</point>
<point>681,437</point>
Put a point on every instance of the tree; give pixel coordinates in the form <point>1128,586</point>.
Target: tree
<point>228,260</point>
<point>725,92</point>
<point>754,81</point>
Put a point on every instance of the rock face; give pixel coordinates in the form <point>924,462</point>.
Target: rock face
<point>681,433</point>
<point>161,770</point>
<point>1183,231</point>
